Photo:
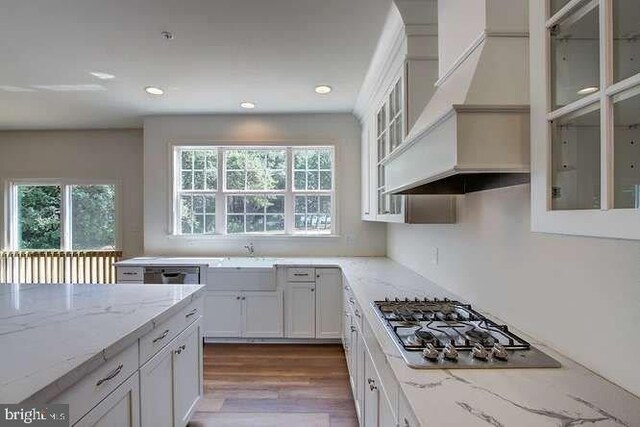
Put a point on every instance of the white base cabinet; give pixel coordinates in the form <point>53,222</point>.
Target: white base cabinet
<point>255,314</point>
<point>120,409</point>
<point>131,391</point>
<point>314,303</point>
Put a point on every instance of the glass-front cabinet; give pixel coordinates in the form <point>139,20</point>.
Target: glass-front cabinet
<point>389,136</point>
<point>586,117</point>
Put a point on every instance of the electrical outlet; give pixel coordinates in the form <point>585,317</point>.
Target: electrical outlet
<point>434,256</point>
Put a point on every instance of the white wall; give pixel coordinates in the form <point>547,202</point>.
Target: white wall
<point>101,155</point>
<point>357,237</point>
<point>550,286</point>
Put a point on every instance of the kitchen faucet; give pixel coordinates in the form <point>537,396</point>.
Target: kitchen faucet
<point>249,247</point>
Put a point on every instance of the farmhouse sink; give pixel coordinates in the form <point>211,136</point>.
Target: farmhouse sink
<point>243,274</point>
<point>247,262</point>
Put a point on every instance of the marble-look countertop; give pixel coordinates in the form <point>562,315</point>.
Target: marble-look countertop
<point>567,396</point>
<point>53,335</point>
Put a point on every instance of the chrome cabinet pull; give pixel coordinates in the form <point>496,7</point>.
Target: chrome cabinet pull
<point>352,301</point>
<point>191,313</point>
<point>180,348</point>
<point>129,273</point>
<point>353,329</point>
<point>300,274</point>
<point>238,298</point>
<point>372,387</point>
<point>312,289</point>
<point>161,337</point>
<point>406,423</point>
<point>111,375</point>
<point>357,313</point>
<point>370,381</point>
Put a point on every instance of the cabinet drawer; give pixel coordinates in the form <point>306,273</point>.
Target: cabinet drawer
<point>93,388</point>
<point>301,274</point>
<point>130,274</point>
<point>162,334</point>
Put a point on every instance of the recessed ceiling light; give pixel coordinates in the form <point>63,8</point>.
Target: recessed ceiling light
<point>102,76</point>
<point>588,90</point>
<point>248,105</point>
<point>154,90</point>
<point>323,89</point>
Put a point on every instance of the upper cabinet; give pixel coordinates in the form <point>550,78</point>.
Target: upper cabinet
<point>585,115</point>
<point>398,85</point>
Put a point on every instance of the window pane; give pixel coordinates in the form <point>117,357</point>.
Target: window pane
<point>256,169</point>
<point>556,5</point>
<point>255,223</point>
<point>325,160</point>
<point>300,159</point>
<point>39,216</point>
<point>575,59</point>
<point>256,204</point>
<point>325,180</point>
<point>199,169</point>
<point>93,217</point>
<point>626,115</point>
<point>312,214</point>
<point>197,214</point>
<point>300,180</point>
<point>312,180</point>
<point>275,204</point>
<point>576,161</point>
<point>626,38</point>
<point>275,222</point>
<point>235,224</point>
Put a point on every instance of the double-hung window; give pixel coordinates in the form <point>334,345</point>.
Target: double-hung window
<point>56,215</point>
<point>253,190</point>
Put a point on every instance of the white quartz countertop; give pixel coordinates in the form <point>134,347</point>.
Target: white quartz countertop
<point>53,335</point>
<point>567,396</point>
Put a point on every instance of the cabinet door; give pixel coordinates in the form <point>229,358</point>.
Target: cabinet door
<point>121,408</point>
<point>371,394</point>
<point>156,390</point>
<point>328,302</point>
<point>263,314</point>
<point>301,310</point>
<point>223,314</point>
<point>187,373</point>
<point>360,381</point>
<point>365,168</point>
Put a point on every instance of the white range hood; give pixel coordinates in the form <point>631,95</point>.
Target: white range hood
<point>474,132</point>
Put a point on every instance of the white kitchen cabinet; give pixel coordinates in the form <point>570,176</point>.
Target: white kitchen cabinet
<point>156,385</point>
<point>170,382</point>
<point>301,310</point>
<point>406,418</point>
<point>378,411</point>
<point>263,314</point>
<point>223,314</point>
<point>187,375</point>
<point>255,314</point>
<point>119,409</point>
<point>328,302</point>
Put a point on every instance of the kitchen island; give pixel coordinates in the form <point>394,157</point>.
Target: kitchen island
<point>55,337</point>
<point>570,395</point>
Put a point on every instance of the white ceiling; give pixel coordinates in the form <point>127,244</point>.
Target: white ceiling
<point>271,52</point>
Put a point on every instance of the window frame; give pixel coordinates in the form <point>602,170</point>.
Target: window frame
<point>66,228</point>
<point>222,192</point>
<point>606,221</point>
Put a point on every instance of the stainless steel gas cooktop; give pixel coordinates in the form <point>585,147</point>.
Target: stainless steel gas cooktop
<point>443,334</point>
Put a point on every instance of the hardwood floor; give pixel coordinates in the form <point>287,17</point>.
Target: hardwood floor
<point>275,385</point>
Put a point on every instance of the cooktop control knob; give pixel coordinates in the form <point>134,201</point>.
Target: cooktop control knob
<point>479,352</point>
<point>450,352</point>
<point>430,352</point>
<point>499,352</point>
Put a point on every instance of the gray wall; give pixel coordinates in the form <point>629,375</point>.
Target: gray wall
<point>101,155</point>
<point>356,237</point>
<point>550,286</point>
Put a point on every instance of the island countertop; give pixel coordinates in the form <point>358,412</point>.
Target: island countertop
<point>567,396</point>
<point>53,335</point>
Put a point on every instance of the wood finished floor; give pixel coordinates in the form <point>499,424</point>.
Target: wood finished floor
<point>275,385</point>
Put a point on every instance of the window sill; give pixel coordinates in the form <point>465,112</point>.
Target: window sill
<point>255,237</point>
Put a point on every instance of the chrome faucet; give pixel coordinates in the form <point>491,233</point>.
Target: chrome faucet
<point>250,249</point>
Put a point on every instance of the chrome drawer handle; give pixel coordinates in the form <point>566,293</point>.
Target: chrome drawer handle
<point>161,337</point>
<point>300,274</point>
<point>372,387</point>
<point>191,313</point>
<point>357,313</point>
<point>353,329</point>
<point>352,301</point>
<point>370,381</point>
<point>129,273</point>
<point>110,376</point>
<point>179,349</point>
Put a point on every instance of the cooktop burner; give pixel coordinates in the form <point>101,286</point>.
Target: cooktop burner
<point>433,333</point>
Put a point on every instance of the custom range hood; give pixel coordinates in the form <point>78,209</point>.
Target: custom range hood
<point>474,132</point>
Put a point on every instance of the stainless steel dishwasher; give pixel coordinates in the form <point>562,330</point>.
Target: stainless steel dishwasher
<point>177,275</point>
